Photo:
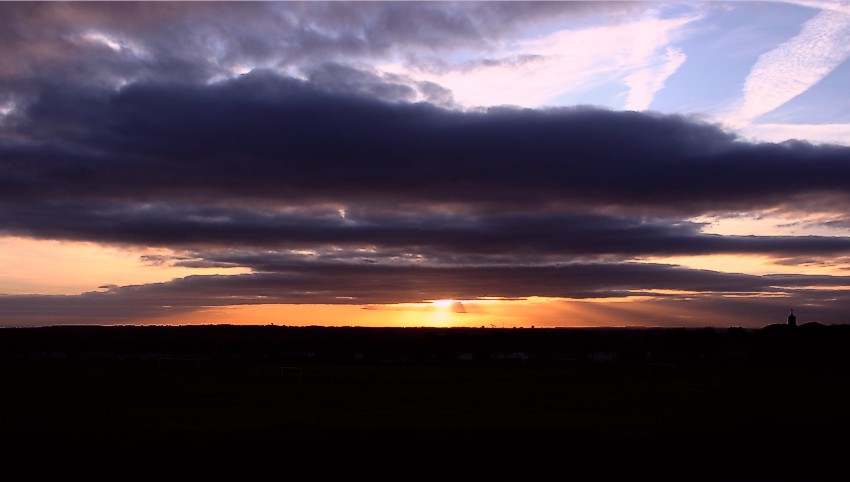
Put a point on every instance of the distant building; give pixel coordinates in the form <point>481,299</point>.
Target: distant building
<point>792,319</point>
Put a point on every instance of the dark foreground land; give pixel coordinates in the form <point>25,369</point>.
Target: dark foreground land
<point>774,394</point>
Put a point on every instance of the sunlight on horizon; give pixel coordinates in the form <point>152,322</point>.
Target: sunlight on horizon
<point>445,313</point>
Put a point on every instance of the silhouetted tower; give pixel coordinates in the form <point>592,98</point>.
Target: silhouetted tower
<point>792,319</point>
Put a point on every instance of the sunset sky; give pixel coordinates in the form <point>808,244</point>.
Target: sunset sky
<point>425,164</point>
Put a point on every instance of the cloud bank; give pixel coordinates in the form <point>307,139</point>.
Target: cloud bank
<point>269,142</point>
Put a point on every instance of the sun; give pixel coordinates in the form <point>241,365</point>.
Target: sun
<point>444,312</point>
<point>452,306</point>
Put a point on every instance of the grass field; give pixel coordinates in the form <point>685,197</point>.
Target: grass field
<point>179,402</point>
<point>769,404</point>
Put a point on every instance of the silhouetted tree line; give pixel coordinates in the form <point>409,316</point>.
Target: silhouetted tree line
<point>809,343</point>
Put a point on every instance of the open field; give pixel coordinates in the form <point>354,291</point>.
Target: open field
<point>743,406</point>
<point>87,398</point>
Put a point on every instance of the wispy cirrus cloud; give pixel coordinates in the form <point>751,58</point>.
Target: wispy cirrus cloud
<point>796,65</point>
<point>532,72</point>
<point>644,83</point>
<point>834,5</point>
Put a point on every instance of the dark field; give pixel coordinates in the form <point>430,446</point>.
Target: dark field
<point>102,391</point>
<point>86,399</point>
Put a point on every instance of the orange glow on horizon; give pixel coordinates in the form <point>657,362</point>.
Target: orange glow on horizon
<point>538,312</point>
<point>749,264</point>
<point>73,267</point>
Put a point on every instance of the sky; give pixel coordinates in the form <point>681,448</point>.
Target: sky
<point>506,164</point>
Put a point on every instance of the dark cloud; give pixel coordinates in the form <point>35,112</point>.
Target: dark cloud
<point>113,42</point>
<point>456,237</point>
<point>271,139</point>
<point>334,283</point>
<point>439,65</point>
<point>344,79</point>
<point>819,261</point>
